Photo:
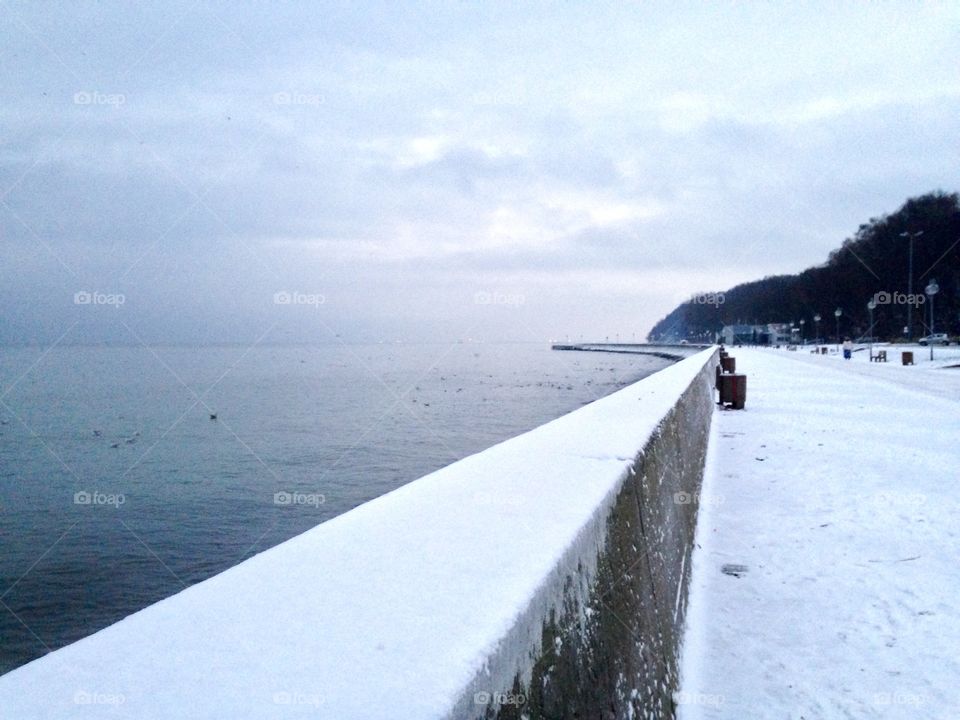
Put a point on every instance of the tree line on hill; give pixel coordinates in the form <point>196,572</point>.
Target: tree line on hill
<point>874,264</point>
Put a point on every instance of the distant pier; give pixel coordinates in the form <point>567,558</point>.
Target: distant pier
<point>668,351</point>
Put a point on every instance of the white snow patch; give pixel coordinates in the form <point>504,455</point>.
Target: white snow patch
<point>826,583</point>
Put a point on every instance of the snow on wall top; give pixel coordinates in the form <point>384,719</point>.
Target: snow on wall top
<point>390,609</point>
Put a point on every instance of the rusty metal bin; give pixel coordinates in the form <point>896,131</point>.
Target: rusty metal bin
<point>906,357</point>
<point>729,364</point>
<point>733,390</point>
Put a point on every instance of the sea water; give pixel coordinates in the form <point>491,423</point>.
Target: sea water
<point>129,473</point>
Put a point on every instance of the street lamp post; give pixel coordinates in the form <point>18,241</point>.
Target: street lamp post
<point>871,306</point>
<point>932,289</point>
<point>837,313</point>
<point>912,236</point>
<point>803,339</point>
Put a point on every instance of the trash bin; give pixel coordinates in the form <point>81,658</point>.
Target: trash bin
<point>906,357</point>
<point>729,364</point>
<point>733,390</point>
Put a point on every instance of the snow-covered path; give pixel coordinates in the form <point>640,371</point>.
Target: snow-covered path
<point>827,579</point>
<point>931,378</point>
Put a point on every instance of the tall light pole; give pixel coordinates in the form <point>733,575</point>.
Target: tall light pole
<point>816,320</point>
<point>932,289</point>
<point>912,236</point>
<point>837,313</point>
<point>803,340</point>
<point>871,306</point>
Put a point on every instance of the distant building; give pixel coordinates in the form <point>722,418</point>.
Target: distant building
<point>741,334</point>
<point>768,334</point>
<point>782,334</point>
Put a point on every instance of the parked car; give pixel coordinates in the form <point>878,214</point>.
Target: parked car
<point>935,339</point>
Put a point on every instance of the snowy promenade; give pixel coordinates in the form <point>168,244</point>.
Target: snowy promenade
<point>827,581</point>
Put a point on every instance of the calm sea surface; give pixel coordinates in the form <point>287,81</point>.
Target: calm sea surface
<point>117,488</point>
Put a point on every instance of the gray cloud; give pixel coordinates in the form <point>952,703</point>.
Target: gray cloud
<point>399,158</point>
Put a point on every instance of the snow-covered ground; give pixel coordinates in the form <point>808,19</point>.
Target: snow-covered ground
<point>422,603</point>
<point>826,582</point>
<point>937,378</point>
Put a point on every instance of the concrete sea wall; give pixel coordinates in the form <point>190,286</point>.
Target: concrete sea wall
<point>544,577</point>
<point>610,649</point>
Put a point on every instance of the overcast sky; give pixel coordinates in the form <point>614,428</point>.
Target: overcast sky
<point>494,170</point>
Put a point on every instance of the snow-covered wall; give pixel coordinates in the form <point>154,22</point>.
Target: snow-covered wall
<point>602,637</point>
<point>545,576</point>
